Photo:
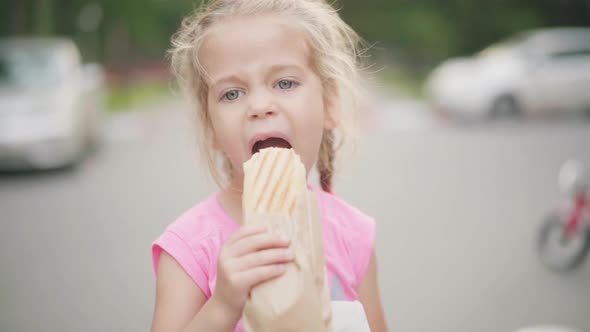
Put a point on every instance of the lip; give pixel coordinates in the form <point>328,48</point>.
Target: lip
<point>265,135</point>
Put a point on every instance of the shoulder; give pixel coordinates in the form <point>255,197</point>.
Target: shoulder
<point>198,222</point>
<point>204,222</point>
<point>194,240</point>
<point>350,232</point>
<point>344,216</point>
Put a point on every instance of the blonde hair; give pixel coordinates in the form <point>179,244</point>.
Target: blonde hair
<point>336,53</point>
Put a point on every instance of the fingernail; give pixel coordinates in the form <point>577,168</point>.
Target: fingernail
<point>284,238</point>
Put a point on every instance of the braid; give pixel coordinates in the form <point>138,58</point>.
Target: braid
<point>326,160</point>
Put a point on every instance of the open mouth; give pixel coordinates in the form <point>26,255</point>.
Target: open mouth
<point>271,142</point>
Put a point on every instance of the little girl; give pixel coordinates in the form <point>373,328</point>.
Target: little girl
<point>262,73</point>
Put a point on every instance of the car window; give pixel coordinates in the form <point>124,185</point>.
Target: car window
<point>574,53</point>
<point>29,66</point>
<point>569,44</point>
<point>514,44</point>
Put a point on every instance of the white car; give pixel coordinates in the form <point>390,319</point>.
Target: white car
<point>50,104</point>
<point>535,72</point>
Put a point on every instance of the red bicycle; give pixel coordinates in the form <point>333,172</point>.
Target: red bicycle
<point>564,236</point>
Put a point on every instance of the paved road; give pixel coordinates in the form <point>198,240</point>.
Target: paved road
<point>457,210</point>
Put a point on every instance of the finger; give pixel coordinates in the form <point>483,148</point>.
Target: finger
<point>264,257</point>
<point>254,276</point>
<point>246,231</point>
<point>257,242</point>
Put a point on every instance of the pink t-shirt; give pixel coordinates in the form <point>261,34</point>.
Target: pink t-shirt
<point>196,237</point>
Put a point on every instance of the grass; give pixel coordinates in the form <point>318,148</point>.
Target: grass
<point>121,98</point>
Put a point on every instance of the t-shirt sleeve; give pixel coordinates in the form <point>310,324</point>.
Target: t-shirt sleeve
<point>364,244</point>
<point>193,260</point>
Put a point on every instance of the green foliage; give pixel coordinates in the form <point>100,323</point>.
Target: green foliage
<point>121,98</point>
<point>426,31</point>
<point>418,31</point>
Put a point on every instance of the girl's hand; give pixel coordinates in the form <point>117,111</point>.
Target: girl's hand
<point>249,257</point>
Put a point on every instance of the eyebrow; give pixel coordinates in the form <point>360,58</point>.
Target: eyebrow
<point>276,68</point>
<point>230,78</point>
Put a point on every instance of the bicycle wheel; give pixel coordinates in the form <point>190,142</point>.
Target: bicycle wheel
<point>559,252</point>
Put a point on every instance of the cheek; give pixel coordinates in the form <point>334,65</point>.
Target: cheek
<point>217,131</point>
<point>227,131</point>
<point>311,146</point>
<point>224,134</point>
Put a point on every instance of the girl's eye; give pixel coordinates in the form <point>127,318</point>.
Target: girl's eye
<point>231,95</point>
<point>286,84</point>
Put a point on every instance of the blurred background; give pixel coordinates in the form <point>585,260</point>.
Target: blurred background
<point>475,108</point>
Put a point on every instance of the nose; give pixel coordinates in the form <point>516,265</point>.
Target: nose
<point>261,105</point>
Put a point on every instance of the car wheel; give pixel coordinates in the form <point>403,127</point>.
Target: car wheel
<point>505,106</point>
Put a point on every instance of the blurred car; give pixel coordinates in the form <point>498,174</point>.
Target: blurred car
<point>535,72</point>
<point>50,103</point>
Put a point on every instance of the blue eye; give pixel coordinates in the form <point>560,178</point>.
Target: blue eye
<point>231,95</point>
<point>285,84</point>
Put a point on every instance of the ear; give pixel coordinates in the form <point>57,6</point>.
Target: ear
<point>331,105</point>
